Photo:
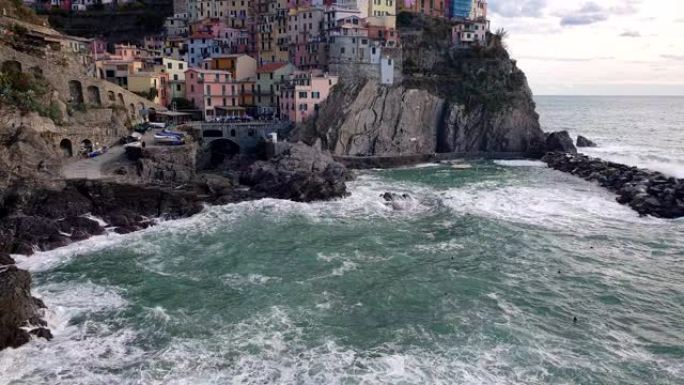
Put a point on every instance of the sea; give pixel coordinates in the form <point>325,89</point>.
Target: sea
<point>494,272</point>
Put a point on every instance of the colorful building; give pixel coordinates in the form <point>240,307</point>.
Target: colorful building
<point>460,8</point>
<point>211,89</point>
<point>143,83</point>
<point>176,79</point>
<point>240,66</point>
<point>302,94</point>
<point>382,7</point>
<point>269,79</point>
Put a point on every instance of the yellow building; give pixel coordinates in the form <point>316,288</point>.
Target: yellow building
<point>382,7</point>
<point>143,82</point>
<point>241,66</point>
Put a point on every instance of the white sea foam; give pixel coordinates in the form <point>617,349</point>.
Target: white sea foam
<point>520,163</point>
<point>242,282</point>
<point>577,208</point>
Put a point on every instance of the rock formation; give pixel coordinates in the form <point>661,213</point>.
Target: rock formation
<point>20,313</point>
<point>301,173</point>
<point>448,101</point>
<point>647,192</point>
<point>560,142</point>
<point>584,142</point>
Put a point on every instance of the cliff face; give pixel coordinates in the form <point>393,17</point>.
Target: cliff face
<point>449,101</point>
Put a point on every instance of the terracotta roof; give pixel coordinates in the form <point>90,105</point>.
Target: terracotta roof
<point>270,67</point>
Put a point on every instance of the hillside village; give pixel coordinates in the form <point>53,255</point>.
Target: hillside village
<point>265,59</point>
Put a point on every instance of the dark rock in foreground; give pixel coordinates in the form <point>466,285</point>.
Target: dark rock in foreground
<point>19,311</point>
<point>584,142</point>
<point>560,142</point>
<point>647,192</point>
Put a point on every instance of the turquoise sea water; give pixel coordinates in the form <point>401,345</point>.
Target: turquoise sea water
<point>475,280</point>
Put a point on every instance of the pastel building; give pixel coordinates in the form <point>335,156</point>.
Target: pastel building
<point>305,33</point>
<point>176,79</point>
<point>213,92</point>
<point>145,81</point>
<point>269,79</point>
<point>302,94</point>
<point>240,66</point>
<point>469,33</point>
<point>382,7</point>
<point>436,8</point>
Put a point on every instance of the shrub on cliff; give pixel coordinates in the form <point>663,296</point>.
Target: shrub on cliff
<point>25,91</point>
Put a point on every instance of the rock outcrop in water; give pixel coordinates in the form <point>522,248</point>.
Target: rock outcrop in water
<point>20,313</point>
<point>301,173</point>
<point>584,142</point>
<point>647,192</point>
<point>560,142</point>
<point>449,100</point>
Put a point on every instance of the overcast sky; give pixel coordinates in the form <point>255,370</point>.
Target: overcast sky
<point>599,47</point>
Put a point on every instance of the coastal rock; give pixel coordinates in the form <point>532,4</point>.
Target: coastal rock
<point>560,142</point>
<point>584,142</point>
<point>301,173</point>
<point>389,197</point>
<point>18,309</point>
<point>446,100</point>
<point>647,192</point>
<point>5,259</point>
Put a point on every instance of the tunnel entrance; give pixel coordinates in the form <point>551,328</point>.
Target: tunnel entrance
<point>222,149</point>
<point>66,147</point>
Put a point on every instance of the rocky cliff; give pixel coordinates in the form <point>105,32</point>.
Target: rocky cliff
<point>450,100</point>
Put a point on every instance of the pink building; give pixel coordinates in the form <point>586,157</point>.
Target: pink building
<point>305,35</point>
<point>98,49</point>
<point>303,93</point>
<point>213,92</point>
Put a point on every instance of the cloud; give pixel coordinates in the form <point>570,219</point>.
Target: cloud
<point>630,34</point>
<point>566,59</point>
<point>589,13</point>
<point>673,57</point>
<point>679,20</point>
<point>520,8</point>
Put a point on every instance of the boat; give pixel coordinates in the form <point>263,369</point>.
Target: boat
<point>168,139</point>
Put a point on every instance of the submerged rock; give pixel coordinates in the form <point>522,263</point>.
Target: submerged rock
<point>647,192</point>
<point>584,142</point>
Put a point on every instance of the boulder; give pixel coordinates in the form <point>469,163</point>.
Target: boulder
<point>17,308</point>
<point>560,142</point>
<point>584,142</point>
<point>5,259</point>
<point>301,173</point>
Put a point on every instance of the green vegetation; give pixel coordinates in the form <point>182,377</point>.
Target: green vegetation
<point>25,91</point>
<point>150,95</point>
<point>183,104</point>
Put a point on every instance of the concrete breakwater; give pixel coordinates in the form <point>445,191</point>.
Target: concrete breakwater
<point>647,192</point>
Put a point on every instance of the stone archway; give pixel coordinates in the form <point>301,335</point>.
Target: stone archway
<point>11,66</point>
<point>131,108</point>
<point>67,148</point>
<point>93,93</point>
<point>76,91</point>
<point>222,149</point>
<point>121,100</point>
<point>111,96</point>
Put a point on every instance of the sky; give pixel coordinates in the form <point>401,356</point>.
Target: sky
<point>599,47</point>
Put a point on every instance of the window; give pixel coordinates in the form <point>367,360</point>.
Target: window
<point>180,66</point>
<point>303,95</point>
<point>316,95</point>
<point>169,65</point>
<point>178,87</point>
